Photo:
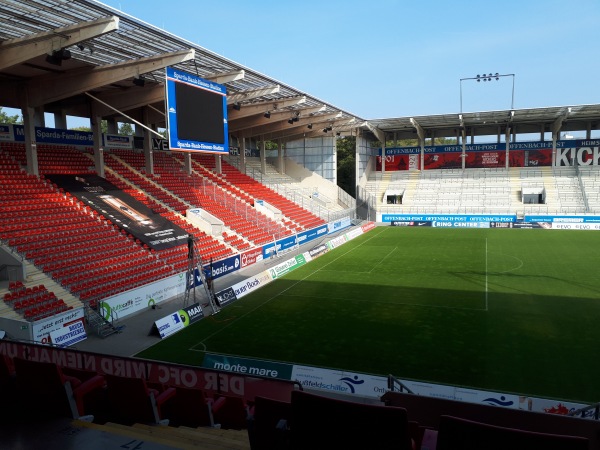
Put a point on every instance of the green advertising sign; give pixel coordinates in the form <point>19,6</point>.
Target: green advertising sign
<point>248,367</point>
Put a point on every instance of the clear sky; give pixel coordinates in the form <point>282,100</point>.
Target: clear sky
<point>395,58</point>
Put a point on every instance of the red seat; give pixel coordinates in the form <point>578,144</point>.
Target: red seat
<point>44,385</point>
<point>230,411</point>
<point>190,408</point>
<point>130,400</point>
<point>268,423</point>
<point>459,433</point>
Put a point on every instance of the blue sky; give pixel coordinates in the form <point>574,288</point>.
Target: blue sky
<point>393,58</point>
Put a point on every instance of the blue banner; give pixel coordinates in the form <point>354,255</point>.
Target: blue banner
<point>56,136</point>
<point>219,268</point>
<point>291,241</point>
<point>563,219</point>
<point>338,225</point>
<point>447,218</point>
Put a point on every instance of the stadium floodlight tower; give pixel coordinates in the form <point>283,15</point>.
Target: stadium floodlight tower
<point>489,77</point>
<point>195,266</point>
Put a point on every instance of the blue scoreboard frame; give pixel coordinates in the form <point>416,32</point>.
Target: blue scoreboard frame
<point>212,141</point>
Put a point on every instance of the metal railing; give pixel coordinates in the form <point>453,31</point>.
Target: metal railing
<point>395,385</point>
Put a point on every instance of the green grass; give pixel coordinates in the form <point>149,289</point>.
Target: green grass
<point>497,309</point>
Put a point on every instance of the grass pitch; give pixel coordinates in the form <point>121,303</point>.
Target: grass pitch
<point>499,309</point>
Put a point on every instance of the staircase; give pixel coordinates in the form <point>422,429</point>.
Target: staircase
<point>385,182</point>
<point>552,197</point>
<point>516,184</point>
<point>411,187</point>
<point>99,324</point>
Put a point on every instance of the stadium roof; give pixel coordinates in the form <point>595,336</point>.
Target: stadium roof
<point>83,58</point>
<point>491,123</point>
<point>62,54</point>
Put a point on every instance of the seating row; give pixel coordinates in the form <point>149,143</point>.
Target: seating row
<point>28,386</point>
<point>311,420</point>
<point>306,420</point>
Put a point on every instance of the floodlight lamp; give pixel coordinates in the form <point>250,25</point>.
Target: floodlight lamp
<point>310,126</point>
<point>237,106</point>
<point>63,54</point>
<point>295,119</point>
<point>290,121</point>
<point>83,46</point>
<point>58,56</point>
<point>267,115</point>
<point>52,59</point>
<point>139,81</point>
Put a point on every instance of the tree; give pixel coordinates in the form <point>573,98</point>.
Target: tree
<point>346,164</point>
<point>126,129</point>
<point>103,127</point>
<point>269,145</point>
<point>6,119</point>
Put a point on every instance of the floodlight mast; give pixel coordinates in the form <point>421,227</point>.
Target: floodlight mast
<point>489,77</point>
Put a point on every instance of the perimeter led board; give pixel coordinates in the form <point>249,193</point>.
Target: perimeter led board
<point>196,113</point>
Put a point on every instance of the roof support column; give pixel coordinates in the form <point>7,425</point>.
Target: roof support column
<point>553,149</point>
<point>242,146</point>
<point>263,150</point>
<point>383,155</point>
<point>29,128</point>
<point>218,164</point>
<point>542,132</point>
<point>39,118</point>
<point>588,130</point>
<point>421,135</point>
<point>112,127</point>
<point>96,125</point>
<point>280,167</point>
<point>556,126</point>
<point>60,120</point>
<point>507,141</point>
<point>148,156</point>
<point>187,162</point>
<point>463,155</point>
<point>30,143</point>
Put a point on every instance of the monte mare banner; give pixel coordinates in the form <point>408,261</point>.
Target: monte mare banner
<point>583,152</point>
